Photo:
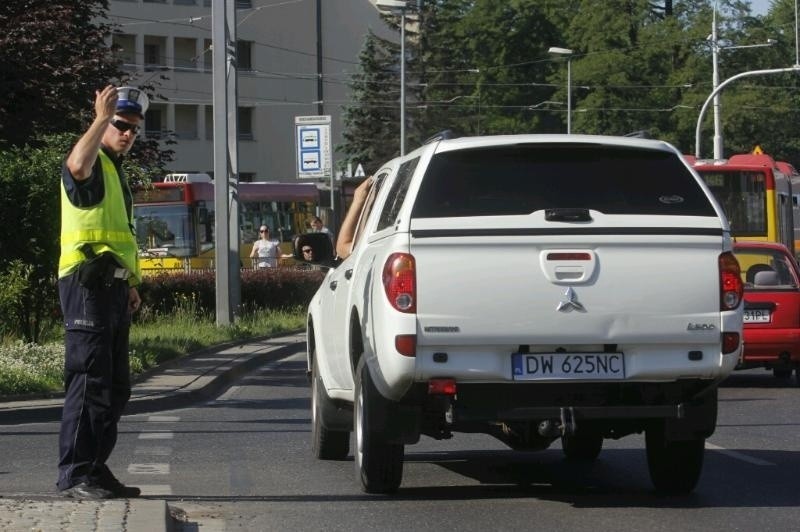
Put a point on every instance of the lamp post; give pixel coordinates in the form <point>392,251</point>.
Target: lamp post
<point>715,50</point>
<point>555,50</point>
<point>715,92</point>
<point>399,6</point>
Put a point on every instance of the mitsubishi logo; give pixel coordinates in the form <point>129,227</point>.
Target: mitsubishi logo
<point>570,302</point>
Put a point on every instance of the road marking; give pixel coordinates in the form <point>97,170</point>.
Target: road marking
<point>154,450</point>
<point>163,419</point>
<point>148,469</point>
<point>156,435</point>
<point>739,456</point>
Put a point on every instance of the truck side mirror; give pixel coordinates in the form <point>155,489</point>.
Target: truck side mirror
<point>314,248</point>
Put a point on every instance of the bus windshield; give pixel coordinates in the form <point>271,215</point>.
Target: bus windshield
<point>742,195</point>
<point>165,230</point>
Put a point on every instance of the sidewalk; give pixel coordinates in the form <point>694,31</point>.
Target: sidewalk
<point>179,383</point>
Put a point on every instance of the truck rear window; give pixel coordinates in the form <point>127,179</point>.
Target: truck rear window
<point>521,179</point>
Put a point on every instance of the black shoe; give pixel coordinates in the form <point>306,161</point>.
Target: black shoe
<point>87,491</point>
<point>117,488</point>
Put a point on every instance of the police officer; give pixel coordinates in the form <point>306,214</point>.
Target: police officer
<point>97,277</point>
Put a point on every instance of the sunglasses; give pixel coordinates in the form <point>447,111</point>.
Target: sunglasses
<point>124,126</point>
<point>307,250</point>
<point>263,230</point>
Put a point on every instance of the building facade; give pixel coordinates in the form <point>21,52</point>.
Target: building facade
<point>169,43</point>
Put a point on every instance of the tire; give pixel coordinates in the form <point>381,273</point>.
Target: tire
<point>582,447</point>
<point>379,463</point>
<point>782,373</point>
<point>326,444</point>
<point>675,466</point>
<point>797,375</point>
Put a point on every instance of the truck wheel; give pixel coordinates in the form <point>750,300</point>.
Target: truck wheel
<point>675,466</point>
<point>582,447</point>
<point>326,444</point>
<point>379,463</point>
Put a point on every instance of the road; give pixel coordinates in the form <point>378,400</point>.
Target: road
<point>243,462</point>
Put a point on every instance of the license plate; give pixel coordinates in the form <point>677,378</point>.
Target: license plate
<point>556,366</point>
<point>757,316</point>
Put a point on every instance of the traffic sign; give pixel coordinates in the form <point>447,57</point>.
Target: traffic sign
<point>313,141</point>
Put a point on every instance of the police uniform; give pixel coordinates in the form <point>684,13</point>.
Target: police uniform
<point>98,264</point>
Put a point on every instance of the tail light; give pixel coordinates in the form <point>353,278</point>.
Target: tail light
<point>730,342</point>
<point>731,288</point>
<point>442,387</point>
<point>400,282</point>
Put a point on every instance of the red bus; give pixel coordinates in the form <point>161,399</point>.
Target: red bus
<point>756,194</point>
<point>175,219</point>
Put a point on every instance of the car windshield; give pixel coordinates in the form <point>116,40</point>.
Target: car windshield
<point>766,269</point>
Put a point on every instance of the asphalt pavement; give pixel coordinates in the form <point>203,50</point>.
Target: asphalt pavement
<point>179,383</point>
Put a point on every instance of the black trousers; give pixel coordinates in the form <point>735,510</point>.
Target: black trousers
<point>96,377</point>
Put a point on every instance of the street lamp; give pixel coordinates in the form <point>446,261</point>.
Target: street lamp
<point>715,49</point>
<point>555,50</point>
<point>399,6</point>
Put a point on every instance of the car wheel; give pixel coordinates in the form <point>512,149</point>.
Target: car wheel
<point>675,466</point>
<point>379,463</point>
<point>582,447</point>
<point>782,373</point>
<point>797,375</point>
<point>326,444</point>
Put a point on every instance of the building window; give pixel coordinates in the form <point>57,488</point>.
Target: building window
<point>245,123</point>
<point>186,122</point>
<point>154,121</point>
<point>154,52</point>
<point>247,177</point>
<point>184,2</point>
<point>155,1</point>
<point>244,55</point>
<point>124,45</point>
<point>185,54</point>
<point>244,4</point>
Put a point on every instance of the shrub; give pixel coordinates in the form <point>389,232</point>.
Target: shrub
<point>273,288</point>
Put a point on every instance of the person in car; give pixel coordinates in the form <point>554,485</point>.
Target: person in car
<point>344,243</point>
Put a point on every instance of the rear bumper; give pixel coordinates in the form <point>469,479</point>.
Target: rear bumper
<point>771,345</point>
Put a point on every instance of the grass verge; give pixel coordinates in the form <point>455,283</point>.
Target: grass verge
<point>31,368</point>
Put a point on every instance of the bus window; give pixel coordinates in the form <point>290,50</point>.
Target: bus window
<point>165,230</point>
<point>742,195</point>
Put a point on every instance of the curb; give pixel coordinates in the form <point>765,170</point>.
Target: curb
<point>207,383</point>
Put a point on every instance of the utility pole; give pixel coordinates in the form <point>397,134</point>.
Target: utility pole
<point>226,157</point>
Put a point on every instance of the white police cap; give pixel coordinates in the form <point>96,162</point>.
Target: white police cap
<point>132,100</point>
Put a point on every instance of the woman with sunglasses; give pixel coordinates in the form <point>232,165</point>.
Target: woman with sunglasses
<point>265,251</point>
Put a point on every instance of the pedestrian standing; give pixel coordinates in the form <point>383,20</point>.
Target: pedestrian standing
<point>266,251</point>
<point>98,273</point>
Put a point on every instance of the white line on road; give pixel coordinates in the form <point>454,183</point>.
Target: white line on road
<point>157,435</point>
<point>739,456</point>
<point>163,419</point>
<point>148,469</point>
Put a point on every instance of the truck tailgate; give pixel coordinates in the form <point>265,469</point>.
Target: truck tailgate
<point>521,285</point>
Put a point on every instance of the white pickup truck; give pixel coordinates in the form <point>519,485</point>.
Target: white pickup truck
<point>535,288</point>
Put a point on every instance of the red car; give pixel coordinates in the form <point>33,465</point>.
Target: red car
<point>771,308</point>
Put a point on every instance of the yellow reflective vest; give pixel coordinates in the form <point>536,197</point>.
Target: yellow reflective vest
<point>105,226</point>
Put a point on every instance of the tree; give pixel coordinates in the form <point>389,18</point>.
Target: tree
<point>29,210</point>
<point>53,56</point>
<point>372,122</point>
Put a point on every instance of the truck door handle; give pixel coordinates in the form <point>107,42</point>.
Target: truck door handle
<point>348,274</point>
<point>333,285</point>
